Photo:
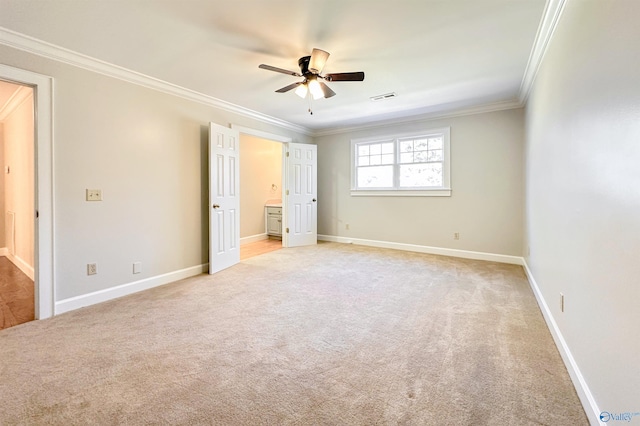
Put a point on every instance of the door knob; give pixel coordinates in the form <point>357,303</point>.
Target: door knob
<point>314,200</point>
<point>216,206</point>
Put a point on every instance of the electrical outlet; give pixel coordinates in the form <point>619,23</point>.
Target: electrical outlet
<point>346,227</point>
<point>137,267</point>
<point>94,195</point>
<point>456,236</point>
<point>92,268</point>
<point>561,302</point>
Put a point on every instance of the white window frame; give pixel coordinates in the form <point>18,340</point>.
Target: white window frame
<point>440,191</point>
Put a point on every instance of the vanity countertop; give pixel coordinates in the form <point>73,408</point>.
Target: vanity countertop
<point>273,203</point>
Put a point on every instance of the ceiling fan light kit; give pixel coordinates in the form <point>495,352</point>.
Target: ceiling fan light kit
<point>310,69</point>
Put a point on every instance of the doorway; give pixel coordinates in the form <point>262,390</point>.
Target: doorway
<point>42,211</point>
<point>17,198</point>
<point>261,171</point>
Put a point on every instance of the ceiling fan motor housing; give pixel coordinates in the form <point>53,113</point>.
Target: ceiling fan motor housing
<point>304,65</point>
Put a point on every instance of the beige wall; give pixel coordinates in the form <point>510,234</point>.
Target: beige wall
<point>19,183</point>
<point>260,168</point>
<point>147,151</point>
<point>486,178</point>
<point>583,193</point>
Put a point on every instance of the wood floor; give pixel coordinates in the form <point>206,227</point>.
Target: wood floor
<point>16,295</point>
<point>258,248</point>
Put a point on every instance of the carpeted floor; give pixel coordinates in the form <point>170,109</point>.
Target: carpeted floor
<point>331,334</point>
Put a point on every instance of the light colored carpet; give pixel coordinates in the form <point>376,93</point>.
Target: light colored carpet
<point>331,334</point>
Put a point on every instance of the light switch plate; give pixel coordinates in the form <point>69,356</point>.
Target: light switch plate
<point>94,195</point>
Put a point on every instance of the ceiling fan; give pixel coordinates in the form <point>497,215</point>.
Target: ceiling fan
<point>310,69</point>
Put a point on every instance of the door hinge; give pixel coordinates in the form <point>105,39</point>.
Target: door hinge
<point>37,214</point>
<point>287,192</point>
<point>287,153</point>
<point>287,230</point>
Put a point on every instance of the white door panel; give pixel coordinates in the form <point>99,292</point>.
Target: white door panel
<point>302,206</point>
<point>224,202</point>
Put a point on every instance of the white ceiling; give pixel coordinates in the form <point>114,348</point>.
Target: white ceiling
<point>437,55</point>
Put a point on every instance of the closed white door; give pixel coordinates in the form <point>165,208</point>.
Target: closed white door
<point>301,195</point>
<point>224,197</point>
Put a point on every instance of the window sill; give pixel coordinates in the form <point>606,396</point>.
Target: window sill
<point>401,193</point>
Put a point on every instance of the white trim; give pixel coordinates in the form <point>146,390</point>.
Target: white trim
<point>44,226</point>
<point>584,393</point>
<point>15,100</point>
<point>420,118</point>
<point>465,254</point>
<point>551,16</point>
<point>260,134</point>
<point>253,238</point>
<point>440,192</point>
<point>100,296</point>
<point>33,45</point>
<point>22,265</point>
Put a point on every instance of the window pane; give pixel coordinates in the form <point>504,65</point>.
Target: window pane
<point>420,145</point>
<point>420,175</point>
<point>387,148</point>
<point>375,148</point>
<point>406,146</point>
<point>420,157</point>
<point>435,143</point>
<point>387,159</point>
<point>363,161</point>
<point>375,177</point>
<point>435,155</point>
<point>406,158</point>
<point>363,149</point>
<point>375,160</point>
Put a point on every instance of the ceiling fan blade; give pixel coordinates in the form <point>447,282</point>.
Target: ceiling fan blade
<point>345,76</point>
<point>276,69</point>
<point>327,90</point>
<point>289,87</point>
<point>318,59</point>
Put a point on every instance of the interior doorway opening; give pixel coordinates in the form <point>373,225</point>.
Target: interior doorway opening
<point>261,207</point>
<point>262,173</point>
<point>42,215</point>
<point>17,204</point>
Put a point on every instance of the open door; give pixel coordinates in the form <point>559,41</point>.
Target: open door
<point>301,195</point>
<point>224,197</point>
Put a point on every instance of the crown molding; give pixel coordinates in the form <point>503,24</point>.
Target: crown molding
<point>47,50</point>
<point>551,15</point>
<point>21,94</point>
<point>550,18</point>
<point>459,112</point>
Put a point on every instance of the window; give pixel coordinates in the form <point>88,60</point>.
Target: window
<point>404,165</point>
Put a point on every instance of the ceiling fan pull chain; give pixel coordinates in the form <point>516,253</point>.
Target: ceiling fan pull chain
<point>310,103</point>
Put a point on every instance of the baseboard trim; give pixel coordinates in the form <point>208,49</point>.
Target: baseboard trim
<point>584,393</point>
<point>466,254</point>
<point>21,264</point>
<point>253,238</point>
<point>4,251</point>
<point>100,296</point>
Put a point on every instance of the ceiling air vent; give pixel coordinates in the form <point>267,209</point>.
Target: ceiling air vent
<point>383,97</point>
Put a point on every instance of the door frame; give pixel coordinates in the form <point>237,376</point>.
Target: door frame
<point>284,140</point>
<point>44,281</point>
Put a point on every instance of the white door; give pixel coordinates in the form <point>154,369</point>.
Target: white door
<point>301,214</point>
<point>224,197</point>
